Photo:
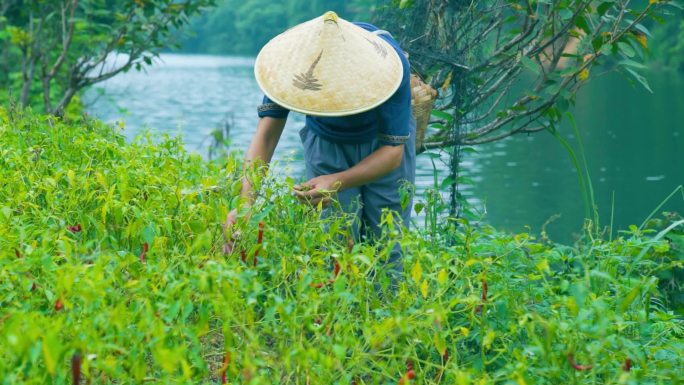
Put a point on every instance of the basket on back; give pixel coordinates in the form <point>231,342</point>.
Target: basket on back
<point>422,98</point>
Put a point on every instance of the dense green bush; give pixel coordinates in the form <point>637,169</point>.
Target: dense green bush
<point>110,266</point>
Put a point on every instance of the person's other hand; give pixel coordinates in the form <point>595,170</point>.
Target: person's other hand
<point>230,235</point>
<point>320,189</point>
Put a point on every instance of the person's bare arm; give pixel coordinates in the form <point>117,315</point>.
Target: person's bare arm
<point>260,149</point>
<point>376,165</point>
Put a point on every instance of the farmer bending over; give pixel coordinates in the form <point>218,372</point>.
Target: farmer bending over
<point>352,82</point>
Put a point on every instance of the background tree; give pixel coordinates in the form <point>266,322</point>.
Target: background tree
<point>53,49</point>
<point>242,27</point>
<point>506,67</point>
<point>514,66</point>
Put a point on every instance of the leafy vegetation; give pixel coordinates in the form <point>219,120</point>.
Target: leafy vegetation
<point>510,67</point>
<point>111,271</point>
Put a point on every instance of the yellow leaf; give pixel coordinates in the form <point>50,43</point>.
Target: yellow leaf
<point>520,379</point>
<point>442,277</point>
<point>49,360</point>
<point>662,247</point>
<point>572,306</point>
<point>447,82</point>
<point>583,75</point>
<point>471,262</point>
<point>440,343</point>
<point>521,238</point>
<point>543,265</point>
<point>488,339</point>
<point>642,39</point>
<point>424,288</point>
<point>71,175</point>
<point>416,272</point>
<point>465,331</point>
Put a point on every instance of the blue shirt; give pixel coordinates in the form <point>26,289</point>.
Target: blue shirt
<point>389,122</point>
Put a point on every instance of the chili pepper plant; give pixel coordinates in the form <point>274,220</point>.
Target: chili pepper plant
<point>146,294</point>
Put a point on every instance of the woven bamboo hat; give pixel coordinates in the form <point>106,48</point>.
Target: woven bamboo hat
<point>328,67</point>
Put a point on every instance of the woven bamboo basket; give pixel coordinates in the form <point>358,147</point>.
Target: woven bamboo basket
<point>422,99</point>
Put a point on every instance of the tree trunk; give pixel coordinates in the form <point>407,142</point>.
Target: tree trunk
<point>27,77</point>
<point>45,77</point>
<point>68,95</point>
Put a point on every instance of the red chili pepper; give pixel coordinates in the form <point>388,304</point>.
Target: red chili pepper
<point>144,251</point>
<point>336,271</point>
<point>224,369</point>
<point>628,365</point>
<point>576,366</point>
<point>58,305</point>
<point>33,286</point>
<point>75,229</point>
<point>260,238</point>
<point>410,375</point>
<point>445,356</point>
<point>243,256</point>
<point>17,253</point>
<point>350,245</point>
<point>76,367</point>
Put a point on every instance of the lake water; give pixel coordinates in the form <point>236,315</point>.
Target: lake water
<point>634,141</point>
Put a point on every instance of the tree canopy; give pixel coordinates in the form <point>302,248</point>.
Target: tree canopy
<point>514,66</point>
<point>242,27</point>
<point>53,49</point>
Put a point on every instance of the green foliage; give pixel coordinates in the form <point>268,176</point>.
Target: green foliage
<point>53,49</point>
<point>510,67</point>
<point>78,205</point>
<point>244,26</point>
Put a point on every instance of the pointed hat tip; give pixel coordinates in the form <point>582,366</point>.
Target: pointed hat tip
<point>330,16</point>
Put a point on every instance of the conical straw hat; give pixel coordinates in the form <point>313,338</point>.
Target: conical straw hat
<point>328,67</point>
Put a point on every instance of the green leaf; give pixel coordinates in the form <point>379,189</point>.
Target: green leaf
<point>632,63</point>
<point>626,49</point>
<point>531,65</point>
<point>149,233</point>
<point>403,4</point>
<point>603,8</point>
<point>443,115</point>
<point>581,22</point>
<point>640,79</point>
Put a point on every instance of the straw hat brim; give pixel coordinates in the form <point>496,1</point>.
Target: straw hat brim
<point>328,67</point>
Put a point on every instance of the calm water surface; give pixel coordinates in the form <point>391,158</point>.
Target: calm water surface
<point>634,141</point>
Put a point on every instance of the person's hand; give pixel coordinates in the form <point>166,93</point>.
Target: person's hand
<point>320,189</point>
<point>230,235</point>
